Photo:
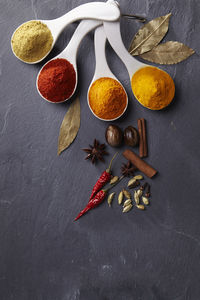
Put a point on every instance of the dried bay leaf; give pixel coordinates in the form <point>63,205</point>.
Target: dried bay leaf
<point>149,35</point>
<point>70,126</point>
<point>168,53</point>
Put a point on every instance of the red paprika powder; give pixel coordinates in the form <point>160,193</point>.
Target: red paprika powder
<point>57,80</point>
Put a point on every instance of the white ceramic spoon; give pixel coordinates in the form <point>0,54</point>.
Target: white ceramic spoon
<point>113,34</point>
<point>102,69</point>
<point>108,11</point>
<point>114,37</point>
<point>70,52</point>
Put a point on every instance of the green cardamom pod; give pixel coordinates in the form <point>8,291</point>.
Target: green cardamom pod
<point>110,198</point>
<point>114,179</point>
<point>138,177</point>
<point>127,202</point>
<point>127,208</point>
<point>127,194</point>
<point>140,206</point>
<point>136,198</point>
<point>145,200</point>
<point>131,181</point>
<point>139,192</point>
<point>120,197</point>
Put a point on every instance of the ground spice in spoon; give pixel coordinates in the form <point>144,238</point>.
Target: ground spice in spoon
<point>107,98</point>
<point>153,87</point>
<point>57,80</point>
<point>32,41</point>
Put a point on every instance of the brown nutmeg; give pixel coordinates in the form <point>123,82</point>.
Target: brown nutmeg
<point>131,137</point>
<point>114,136</point>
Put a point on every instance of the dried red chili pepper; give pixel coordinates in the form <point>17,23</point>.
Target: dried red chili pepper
<point>98,198</point>
<point>103,179</point>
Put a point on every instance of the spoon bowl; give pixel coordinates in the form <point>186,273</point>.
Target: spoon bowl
<point>113,34</point>
<point>69,54</point>
<point>102,70</point>
<point>108,11</point>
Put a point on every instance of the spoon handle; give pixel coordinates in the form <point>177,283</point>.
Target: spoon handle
<point>100,54</point>
<point>112,30</point>
<point>83,28</point>
<point>94,10</point>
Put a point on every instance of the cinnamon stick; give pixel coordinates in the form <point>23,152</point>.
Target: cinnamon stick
<point>143,149</point>
<point>139,163</point>
<point>144,134</point>
<point>141,144</point>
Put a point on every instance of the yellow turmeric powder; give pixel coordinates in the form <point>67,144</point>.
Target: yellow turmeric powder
<point>107,98</point>
<point>153,88</point>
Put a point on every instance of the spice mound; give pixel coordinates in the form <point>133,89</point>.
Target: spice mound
<point>107,98</point>
<point>153,88</point>
<point>32,41</point>
<point>57,80</point>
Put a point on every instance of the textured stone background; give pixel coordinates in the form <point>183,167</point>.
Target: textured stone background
<point>44,255</point>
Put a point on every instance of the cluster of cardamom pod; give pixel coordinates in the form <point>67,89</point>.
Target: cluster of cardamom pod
<point>140,197</point>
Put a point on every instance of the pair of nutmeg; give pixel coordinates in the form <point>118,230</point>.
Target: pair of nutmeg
<point>114,136</point>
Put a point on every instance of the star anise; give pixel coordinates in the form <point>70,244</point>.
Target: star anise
<point>128,169</point>
<point>96,151</point>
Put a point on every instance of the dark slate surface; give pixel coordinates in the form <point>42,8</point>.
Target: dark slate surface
<point>107,255</point>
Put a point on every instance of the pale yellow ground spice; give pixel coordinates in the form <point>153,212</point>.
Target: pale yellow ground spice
<point>153,88</point>
<point>107,98</point>
<point>32,41</point>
